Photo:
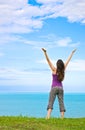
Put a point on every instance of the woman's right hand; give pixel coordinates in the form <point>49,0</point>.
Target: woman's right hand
<point>44,49</point>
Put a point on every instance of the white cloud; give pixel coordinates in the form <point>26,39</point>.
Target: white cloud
<point>20,77</point>
<point>5,38</point>
<point>13,3</point>
<point>73,10</point>
<point>76,65</point>
<point>53,42</point>
<point>17,16</point>
<point>49,41</point>
<point>48,1</point>
<point>66,42</point>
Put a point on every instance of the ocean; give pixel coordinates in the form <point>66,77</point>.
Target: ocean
<point>35,105</point>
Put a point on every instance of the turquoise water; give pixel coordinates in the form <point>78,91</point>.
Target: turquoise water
<point>35,104</point>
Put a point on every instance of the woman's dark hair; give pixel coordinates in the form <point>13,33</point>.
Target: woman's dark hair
<point>60,69</point>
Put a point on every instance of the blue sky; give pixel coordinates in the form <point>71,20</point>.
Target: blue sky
<point>26,27</point>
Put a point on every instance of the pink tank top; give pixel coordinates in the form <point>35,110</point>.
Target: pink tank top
<point>55,81</point>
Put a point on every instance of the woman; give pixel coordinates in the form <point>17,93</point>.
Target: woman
<point>58,74</point>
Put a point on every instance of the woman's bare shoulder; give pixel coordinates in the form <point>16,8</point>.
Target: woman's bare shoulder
<point>54,71</point>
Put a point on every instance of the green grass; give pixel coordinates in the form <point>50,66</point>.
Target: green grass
<point>30,123</point>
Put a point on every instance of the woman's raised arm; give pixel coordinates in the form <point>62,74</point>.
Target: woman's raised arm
<point>48,60</point>
<point>69,58</point>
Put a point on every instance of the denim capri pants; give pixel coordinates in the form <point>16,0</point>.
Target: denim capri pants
<point>56,91</point>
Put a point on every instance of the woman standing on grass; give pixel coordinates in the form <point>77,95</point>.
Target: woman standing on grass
<point>58,73</point>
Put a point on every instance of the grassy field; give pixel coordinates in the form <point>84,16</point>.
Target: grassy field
<point>29,123</point>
